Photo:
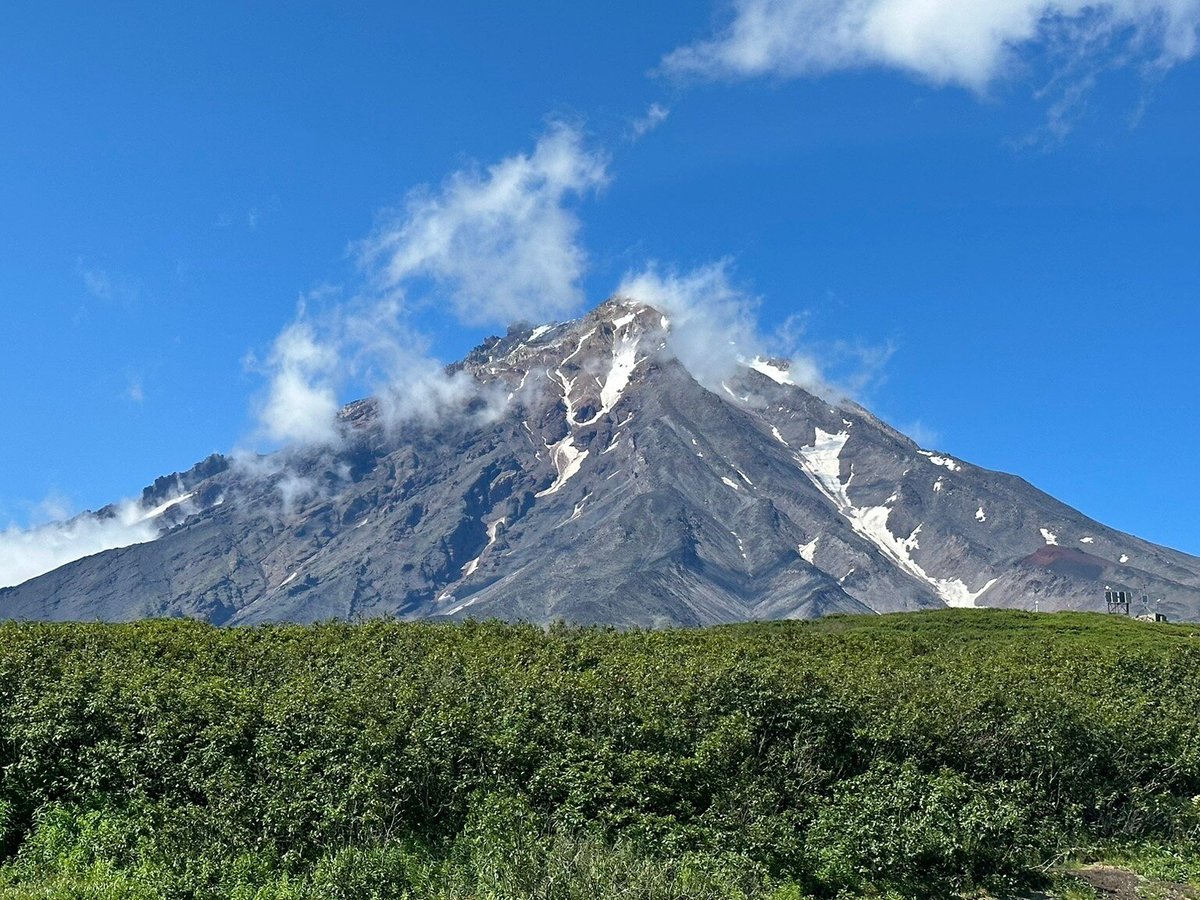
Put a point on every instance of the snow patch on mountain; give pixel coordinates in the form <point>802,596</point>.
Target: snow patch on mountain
<point>163,507</point>
<point>808,552</point>
<point>578,347</point>
<point>624,361</point>
<point>624,320</point>
<point>567,459</point>
<point>578,510</point>
<point>772,371</point>
<point>822,463</point>
<point>955,593</point>
<point>493,531</point>
<point>741,545</point>
<point>944,461</point>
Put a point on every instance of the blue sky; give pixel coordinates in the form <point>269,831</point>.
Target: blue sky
<point>986,223</point>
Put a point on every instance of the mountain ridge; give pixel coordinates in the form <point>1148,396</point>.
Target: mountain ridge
<point>588,475</point>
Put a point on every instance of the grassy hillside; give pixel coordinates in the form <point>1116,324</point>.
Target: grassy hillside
<point>914,755</point>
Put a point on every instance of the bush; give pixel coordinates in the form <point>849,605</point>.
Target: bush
<point>917,754</point>
<point>922,834</point>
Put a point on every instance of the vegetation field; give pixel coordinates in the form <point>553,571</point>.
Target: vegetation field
<point>958,753</point>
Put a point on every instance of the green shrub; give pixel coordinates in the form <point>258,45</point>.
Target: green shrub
<point>922,834</point>
<point>917,755</point>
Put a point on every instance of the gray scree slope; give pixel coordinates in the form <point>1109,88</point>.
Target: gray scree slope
<point>610,487</point>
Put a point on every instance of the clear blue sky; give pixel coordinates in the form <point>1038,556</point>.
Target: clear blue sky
<point>1018,225</point>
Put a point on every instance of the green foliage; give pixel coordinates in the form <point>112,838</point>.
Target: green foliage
<point>917,755</point>
<point>927,834</point>
<point>1067,887</point>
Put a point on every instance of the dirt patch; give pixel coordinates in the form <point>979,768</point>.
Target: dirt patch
<point>1113,883</point>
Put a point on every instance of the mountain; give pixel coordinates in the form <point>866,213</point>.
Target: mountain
<point>590,477</point>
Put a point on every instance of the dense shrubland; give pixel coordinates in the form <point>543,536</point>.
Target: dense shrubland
<point>916,755</point>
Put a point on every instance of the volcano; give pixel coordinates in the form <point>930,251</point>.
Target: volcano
<point>589,477</point>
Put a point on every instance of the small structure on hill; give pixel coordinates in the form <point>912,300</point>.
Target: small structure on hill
<point>1119,601</point>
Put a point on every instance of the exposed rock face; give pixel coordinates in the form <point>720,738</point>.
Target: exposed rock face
<point>594,480</point>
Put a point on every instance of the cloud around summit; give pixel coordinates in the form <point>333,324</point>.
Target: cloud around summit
<point>490,245</point>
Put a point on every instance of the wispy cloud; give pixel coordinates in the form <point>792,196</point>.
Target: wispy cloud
<point>501,243</point>
<point>255,214</point>
<point>134,391</point>
<point>28,552</point>
<point>655,115</point>
<point>971,43</point>
<point>854,367</point>
<point>924,435</point>
<point>713,322</point>
<point>107,286</point>
<point>98,284</point>
<point>715,331</point>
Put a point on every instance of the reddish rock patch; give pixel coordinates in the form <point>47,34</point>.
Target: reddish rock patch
<point>1066,561</point>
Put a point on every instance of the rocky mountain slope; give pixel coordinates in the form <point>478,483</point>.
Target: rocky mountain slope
<point>592,478</point>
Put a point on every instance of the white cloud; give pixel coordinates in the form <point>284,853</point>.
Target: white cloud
<point>293,489</point>
<point>715,332</point>
<point>712,322</point>
<point>301,404</point>
<point>971,43</point>
<point>54,507</point>
<point>28,552</point>
<point>370,344</point>
<point>655,115</point>
<point>714,326</point>
<point>501,243</point>
<point>383,350</point>
<point>426,393</point>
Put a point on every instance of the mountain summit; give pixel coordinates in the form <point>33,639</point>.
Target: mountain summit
<point>589,476</point>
